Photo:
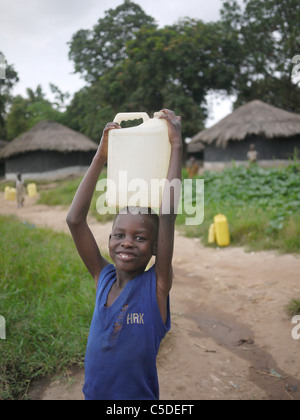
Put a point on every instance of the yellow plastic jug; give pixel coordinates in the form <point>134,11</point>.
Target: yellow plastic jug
<point>222,230</point>
<point>211,234</point>
<point>6,193</point>
<point>11,194</point>
<point>31,190</point>
<point>138,162</point>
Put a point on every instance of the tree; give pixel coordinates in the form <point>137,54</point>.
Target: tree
<point>150,68</point>
<point>96,51</point>
<point>60,97</point>
<point>6,85</point>
<point>269,38</point>
<point>27,112</point>
<point>172,67</point>
<point>88,113</point>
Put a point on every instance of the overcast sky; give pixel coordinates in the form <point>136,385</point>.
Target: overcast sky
<point>34,36</point>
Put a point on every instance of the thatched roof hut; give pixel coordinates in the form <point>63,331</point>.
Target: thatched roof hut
<point>46,149</point>
<point>275,132</point>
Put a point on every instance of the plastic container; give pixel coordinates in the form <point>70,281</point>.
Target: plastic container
<point>221,230</point>
<point>31,190</point>
<point>11,194</point>
<point>211,234</point>
<point>6,193</point>
<point>138,160</point>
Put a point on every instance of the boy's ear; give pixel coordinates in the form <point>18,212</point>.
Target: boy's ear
<point>154,250</point>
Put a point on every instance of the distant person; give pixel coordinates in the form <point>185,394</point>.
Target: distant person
<point>192,167</point>
<point>252,154</point>
<point>20,191</point>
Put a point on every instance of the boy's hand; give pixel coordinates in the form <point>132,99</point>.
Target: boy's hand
<point>174,126</point>
<point>103,146</point>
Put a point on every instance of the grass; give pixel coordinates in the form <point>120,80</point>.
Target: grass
<point>293,308</point>
<point>47,299</point>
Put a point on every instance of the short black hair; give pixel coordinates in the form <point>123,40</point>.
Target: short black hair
<point>144,211</point>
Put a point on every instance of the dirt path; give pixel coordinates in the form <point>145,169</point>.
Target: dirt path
<point>231,337</point>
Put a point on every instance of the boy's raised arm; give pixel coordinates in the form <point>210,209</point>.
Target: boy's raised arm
<point>168,212</point>
<point>77,216</point>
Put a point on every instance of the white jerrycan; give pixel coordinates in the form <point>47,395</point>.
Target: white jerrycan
<point>138,162</point>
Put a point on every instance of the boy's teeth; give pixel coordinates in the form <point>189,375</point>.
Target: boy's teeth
<point>125,255</point>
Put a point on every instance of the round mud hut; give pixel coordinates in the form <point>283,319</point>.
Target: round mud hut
<point>48,150</point>
<point>274,132</point>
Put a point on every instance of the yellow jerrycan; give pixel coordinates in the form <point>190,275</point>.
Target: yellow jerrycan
<point>11,194</point>
<point>211,234</point>
<point>138,161</point>
<point>31,190</point>
<point>6,193</point>
<point>221,230</point>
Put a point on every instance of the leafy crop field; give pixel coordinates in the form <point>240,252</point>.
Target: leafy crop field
<point>262,206</point>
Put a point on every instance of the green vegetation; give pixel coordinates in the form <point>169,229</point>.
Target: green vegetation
<point>293,308</point>
<point>262,206</point>
<point>62,194</point>
<point>47,300</point>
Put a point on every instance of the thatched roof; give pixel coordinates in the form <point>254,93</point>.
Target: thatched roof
<point>3,143</point>
<point>48,136</point>
<point>254,118</point>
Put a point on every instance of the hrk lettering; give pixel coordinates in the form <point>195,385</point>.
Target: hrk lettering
<point>135,318</point>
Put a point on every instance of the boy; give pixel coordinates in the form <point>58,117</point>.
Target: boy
<point>132,312</point>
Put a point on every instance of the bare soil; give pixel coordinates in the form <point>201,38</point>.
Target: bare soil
<point>231,336</point>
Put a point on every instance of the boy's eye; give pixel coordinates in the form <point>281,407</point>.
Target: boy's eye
<point>140,238</point>
<point>118,235</point>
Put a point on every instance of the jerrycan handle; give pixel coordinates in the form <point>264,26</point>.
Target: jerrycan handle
<point>127,116</point>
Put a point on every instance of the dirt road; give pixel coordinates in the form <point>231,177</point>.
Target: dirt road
<point>231,337</point>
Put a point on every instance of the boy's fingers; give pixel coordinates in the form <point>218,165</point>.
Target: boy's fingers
<point>169,113</point>
<point>112,125</point>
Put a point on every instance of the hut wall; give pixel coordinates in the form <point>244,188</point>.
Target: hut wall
<point>268,149</point>
<point>2,168</point>
<point>39,162</point>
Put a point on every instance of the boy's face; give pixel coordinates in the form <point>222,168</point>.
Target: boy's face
<point>132,242</point>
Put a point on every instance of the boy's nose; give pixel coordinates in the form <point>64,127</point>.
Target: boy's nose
<point>126,243</point>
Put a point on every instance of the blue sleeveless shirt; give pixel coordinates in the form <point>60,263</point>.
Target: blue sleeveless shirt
<point>124,339</point>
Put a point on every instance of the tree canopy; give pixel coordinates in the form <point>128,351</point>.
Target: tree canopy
<point>269,37</point>
<point>26,112</point>
<point>6,85</point>
<point>175,67</point>
<point>95,51</point>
